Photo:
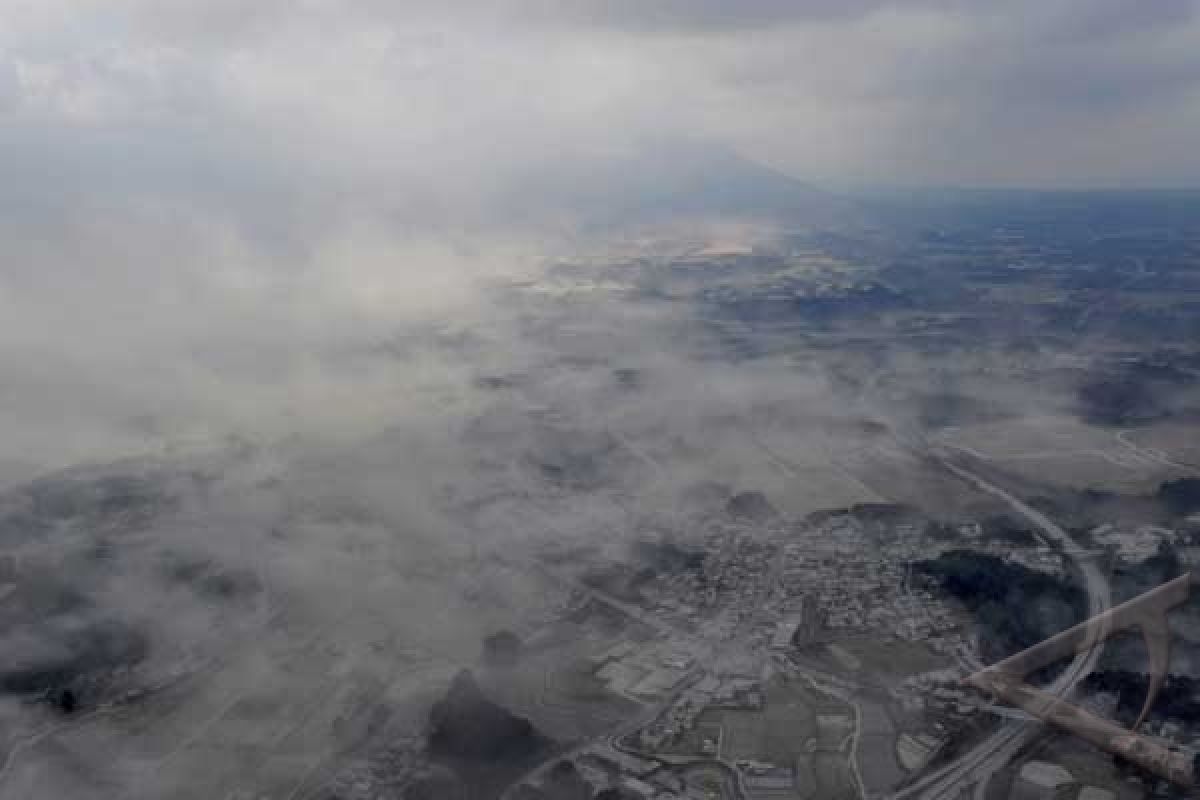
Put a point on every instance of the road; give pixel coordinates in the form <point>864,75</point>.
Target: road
<point>1153,454</point>
<point>975,768</point>
<point>737,643</point>
<point>970,772</point>
<point>648,715</point>
<point>660,626</point>
<point>847,697</point>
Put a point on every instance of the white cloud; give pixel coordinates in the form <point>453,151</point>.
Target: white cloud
<point>270,182</point>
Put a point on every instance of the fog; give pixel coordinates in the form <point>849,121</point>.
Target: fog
<point>318,321</point>
<point>201,203</point>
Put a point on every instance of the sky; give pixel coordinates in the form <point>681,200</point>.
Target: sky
<point>206,203</point>
<point>452,99</point>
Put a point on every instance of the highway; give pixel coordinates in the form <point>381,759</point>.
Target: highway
<point>975,768</point>
<point>971,772</point>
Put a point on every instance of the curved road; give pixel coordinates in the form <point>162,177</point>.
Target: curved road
<point>976,767</point>
<point>971,771</point>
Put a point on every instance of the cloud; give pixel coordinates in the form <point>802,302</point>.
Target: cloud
<point>443,100</point>
<point>282,223</point>
<point>192,188</point>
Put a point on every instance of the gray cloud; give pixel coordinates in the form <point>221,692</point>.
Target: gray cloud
<point>278,223</point>
<point>192,190</point>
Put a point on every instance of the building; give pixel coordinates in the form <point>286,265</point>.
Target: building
<point>639,789</point>
<point>1041,780</point>
<point>615,653</point>
<point>915,752</point>
<point>658,682</point>
<point>1096,793</point>
<point>785,632</point>
<point>768,778</point>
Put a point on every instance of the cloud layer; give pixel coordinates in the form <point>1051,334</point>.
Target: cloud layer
<point>195,189</point>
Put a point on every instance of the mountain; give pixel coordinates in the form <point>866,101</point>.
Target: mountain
<point>672,180</point>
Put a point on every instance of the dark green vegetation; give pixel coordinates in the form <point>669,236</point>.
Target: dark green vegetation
<point>647,561</point>
<point>72,659</point>
<point>1178,699</point>
<point>1015,607</point>
<point>1084,509</point>
<point>464,724</point>
<point>751,506</point>
<point>68,646</point>
<point>1180,496</point>
<point>482,745</point>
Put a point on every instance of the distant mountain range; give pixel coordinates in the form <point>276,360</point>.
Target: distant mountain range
<point>666,181</point>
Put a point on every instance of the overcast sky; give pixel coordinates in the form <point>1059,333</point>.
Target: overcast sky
<point>204,202</point>
<point>243,99</point>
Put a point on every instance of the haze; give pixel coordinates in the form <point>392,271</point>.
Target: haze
<point>460,400</point>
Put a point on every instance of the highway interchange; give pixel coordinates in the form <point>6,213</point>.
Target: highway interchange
<point>974,769</point>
